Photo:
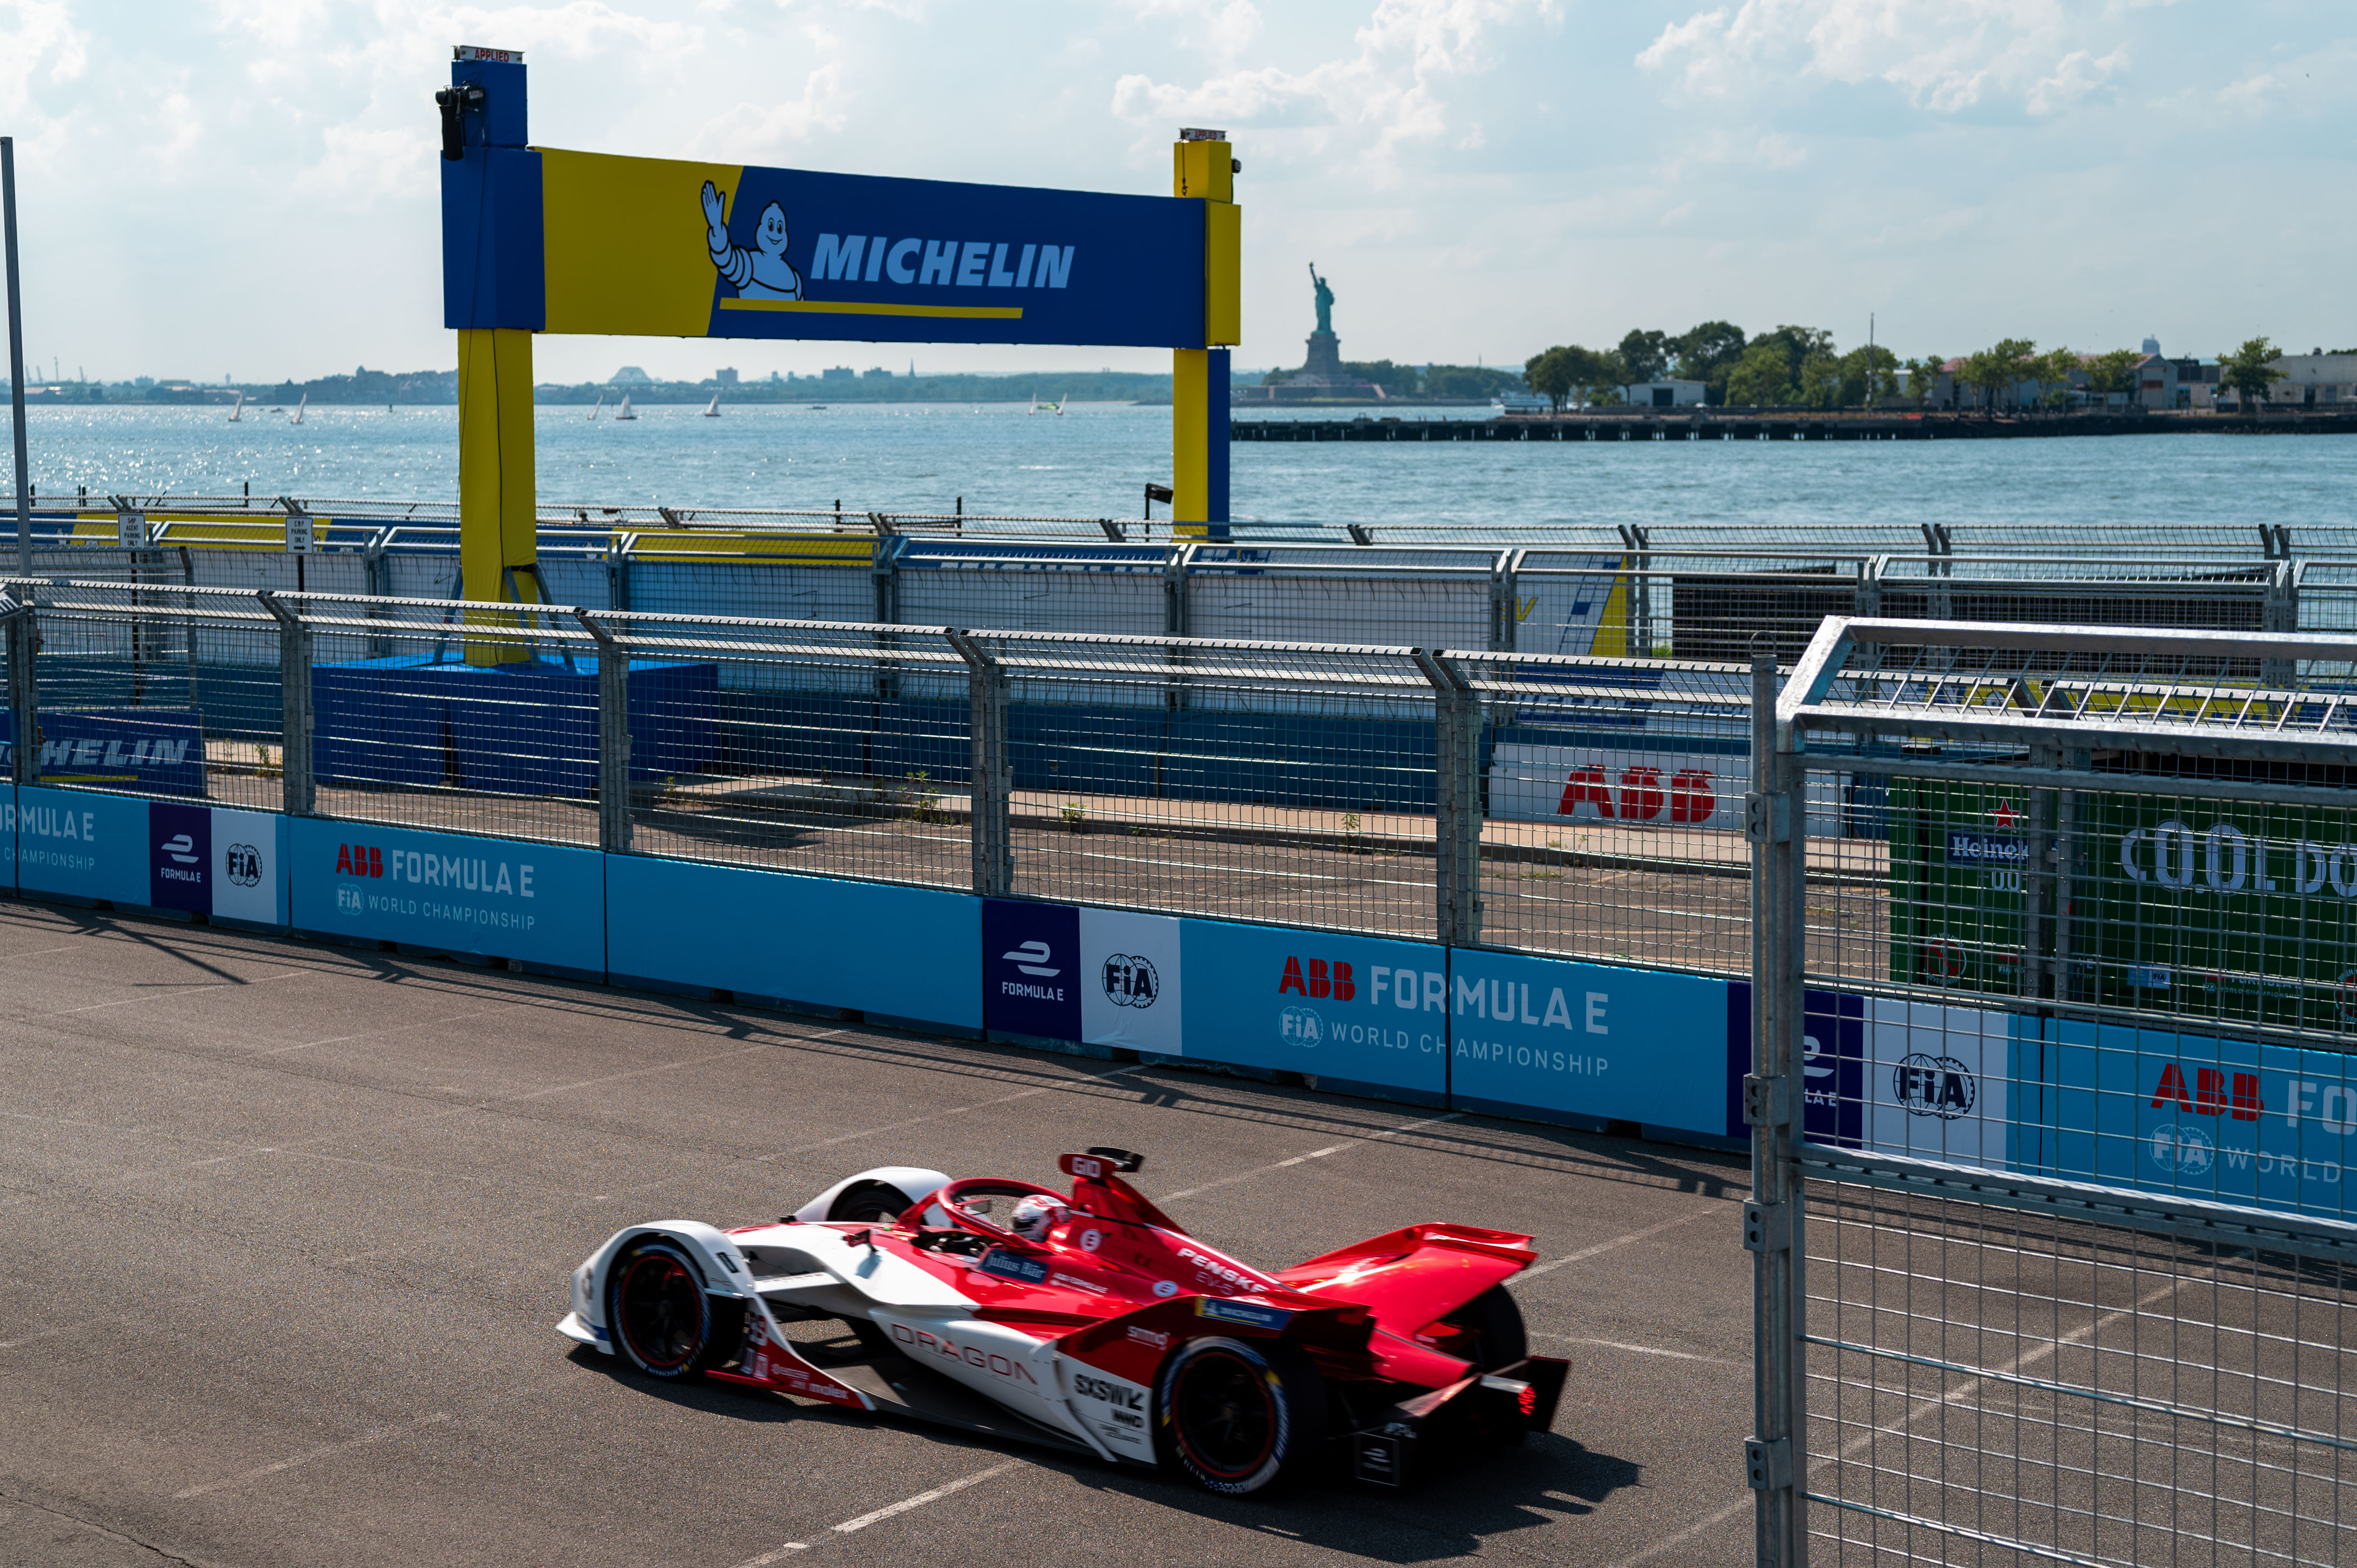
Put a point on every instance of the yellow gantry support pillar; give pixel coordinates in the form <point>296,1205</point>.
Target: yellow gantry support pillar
<point>1202,167</point>
<point>496,482</point>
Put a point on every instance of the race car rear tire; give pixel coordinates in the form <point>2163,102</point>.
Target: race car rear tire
<point>871,1202</point>
<point>662,1321</point>
<point>1241,1417</point>
<point>1495,1319</point>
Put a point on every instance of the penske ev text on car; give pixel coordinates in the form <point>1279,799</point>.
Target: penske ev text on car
<point>1090,1321</point>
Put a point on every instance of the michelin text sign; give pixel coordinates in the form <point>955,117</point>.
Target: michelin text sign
<point>651,246</point>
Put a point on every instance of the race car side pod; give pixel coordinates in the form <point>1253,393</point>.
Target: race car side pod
<point>1504,1406</point>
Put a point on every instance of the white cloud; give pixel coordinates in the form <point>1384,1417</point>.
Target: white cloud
<point>1387,93</point>
<point>1945,55</point>
<point>44,44</point>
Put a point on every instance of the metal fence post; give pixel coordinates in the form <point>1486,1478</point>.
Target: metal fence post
<point>1456,801</point>
<point>994,775</point>
<point>1639,542</point>
<point>23,633</point>
<point>1174,589</point>
<point>619,558</point>
<point>298,793</point>
<point>1776,823</point>
<point>613,736</point>
<point>1505,599</point>
<point>2280,614</point>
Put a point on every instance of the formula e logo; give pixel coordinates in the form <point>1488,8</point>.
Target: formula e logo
<point>1165,1288</point>
<point>2187,1150</point>
<point>1301,1026</point>
<point>181,848</point>
<point>242,863</point>
<point>1031,957</point>
<point>1934,1086</point>
<point>1131,980</point>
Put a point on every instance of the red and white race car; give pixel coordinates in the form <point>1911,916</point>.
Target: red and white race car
<point>1090,1321</point>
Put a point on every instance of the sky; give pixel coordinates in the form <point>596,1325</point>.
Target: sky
<point>248,189</point>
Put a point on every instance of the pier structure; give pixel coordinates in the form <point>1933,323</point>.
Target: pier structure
<point>1739,425</point>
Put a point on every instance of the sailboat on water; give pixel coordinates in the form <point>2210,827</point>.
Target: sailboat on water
<point>712,409</point>
<point>239,412</point>
<point>299,407</point>
<point>1056,408</point>
<point>624,411</point>
<point>601,402</point>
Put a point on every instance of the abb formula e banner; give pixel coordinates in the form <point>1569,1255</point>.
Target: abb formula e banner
<point>2235,1121</point>
<point>1346,1010</point>
<point>1586,1039</point>
<point>450,893</point>
<point>166,854</point>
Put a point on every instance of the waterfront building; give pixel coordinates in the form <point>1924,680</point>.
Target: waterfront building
<point>1663,394</point>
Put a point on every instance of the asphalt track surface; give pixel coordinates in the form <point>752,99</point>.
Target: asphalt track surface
<point>286,1228</point>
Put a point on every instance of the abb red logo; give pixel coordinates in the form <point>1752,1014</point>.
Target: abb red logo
<point>1639,797</point>
<point>359,860</point>
<point>2209,1096</point>
<point>1322,979</point>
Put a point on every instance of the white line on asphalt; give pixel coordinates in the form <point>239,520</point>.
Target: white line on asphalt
<point>379,1436</point>
<point>1535,1269</point>
<point>954,1111</point>
<point>180,992</point>
<point>1312,1155</point>
<point>36,952</point>
<point>921,1498</point>
<point>396,1029</point>
<point>780,1554</point>
<point>1645,1349</point>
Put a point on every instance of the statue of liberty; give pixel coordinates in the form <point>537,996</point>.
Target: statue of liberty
<point>1325,300</point>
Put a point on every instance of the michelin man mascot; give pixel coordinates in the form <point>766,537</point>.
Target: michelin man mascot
<point>762,274</point>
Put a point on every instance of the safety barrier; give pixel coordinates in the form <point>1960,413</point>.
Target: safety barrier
<point>2055,1256</point>
<point>1269,856</point>
<point>1619,592</point>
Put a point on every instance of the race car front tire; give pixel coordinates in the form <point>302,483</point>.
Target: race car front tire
<point>871,1202</point>
<point>1241,1417</point>
<point>661,1320</point>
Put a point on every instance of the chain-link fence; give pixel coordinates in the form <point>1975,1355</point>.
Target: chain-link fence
<point>2051,1125</point>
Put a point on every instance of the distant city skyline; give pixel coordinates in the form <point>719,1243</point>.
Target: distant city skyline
<point>201,189</point>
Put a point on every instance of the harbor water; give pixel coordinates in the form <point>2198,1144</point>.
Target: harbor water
<point>1096,459</point>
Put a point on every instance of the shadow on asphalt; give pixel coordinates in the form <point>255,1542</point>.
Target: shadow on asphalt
<point>1449,1512</point>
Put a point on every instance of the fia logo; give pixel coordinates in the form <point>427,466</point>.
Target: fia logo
<point>1130,980</point>
<point>1301,1026</point>
<point>242,863</point>
<point>347,899</point>
<point>1934,1086</point>
<point>2183,1149</point>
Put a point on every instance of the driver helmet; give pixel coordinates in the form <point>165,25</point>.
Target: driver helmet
<point>1035,1216</point>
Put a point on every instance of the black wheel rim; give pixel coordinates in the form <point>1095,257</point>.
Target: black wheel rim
<point>662,1310</point>
<point>1225,1414</point>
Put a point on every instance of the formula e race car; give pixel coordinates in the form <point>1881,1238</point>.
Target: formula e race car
<point>1090,1322</point>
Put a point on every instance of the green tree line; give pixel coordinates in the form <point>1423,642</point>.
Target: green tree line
<point>1787,365</point>
<point>1803,366</point>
